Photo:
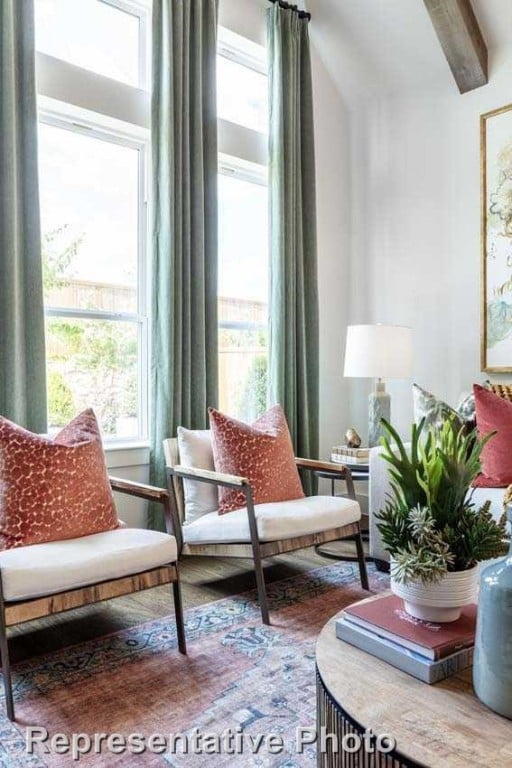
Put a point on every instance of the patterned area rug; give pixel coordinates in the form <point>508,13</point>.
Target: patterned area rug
<point>256,680</point>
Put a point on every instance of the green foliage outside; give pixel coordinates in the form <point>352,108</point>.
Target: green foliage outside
<point>429,525</point>
<point>57,256</point>
<point>229,339</point>
<point>100,357</point>
<point>91,363</point>
<point>61,405</point>
<point>248,387</point>
<point>253,399</point>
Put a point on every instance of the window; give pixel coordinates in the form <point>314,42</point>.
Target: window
<point>91,213</point>
<point>104,36</point>
<point>92,176</point>
<point>243,294</point>
<point>242,83</point>
<point>242,94</point>
<point>243,229</point>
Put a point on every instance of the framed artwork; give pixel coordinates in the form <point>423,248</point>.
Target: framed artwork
<point>496,181</point>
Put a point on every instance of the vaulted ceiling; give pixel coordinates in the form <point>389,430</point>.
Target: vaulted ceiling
<point>376,46</point>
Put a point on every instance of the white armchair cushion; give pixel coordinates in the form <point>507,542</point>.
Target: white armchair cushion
<point>58,566</point>
<point>277,520</point>
<point>195,449</point>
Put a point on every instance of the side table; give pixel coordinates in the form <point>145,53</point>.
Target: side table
<point>357,473</point>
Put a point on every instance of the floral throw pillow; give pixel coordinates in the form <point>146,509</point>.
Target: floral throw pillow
<point>435,411</point>
<point>466,409</point>
<point>53,489</point>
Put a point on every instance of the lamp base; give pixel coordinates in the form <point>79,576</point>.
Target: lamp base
<point>379,408</point>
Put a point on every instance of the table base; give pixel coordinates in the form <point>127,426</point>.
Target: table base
<point>336,729</point>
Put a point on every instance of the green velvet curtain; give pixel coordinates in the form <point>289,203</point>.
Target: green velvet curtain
<point>22,349</point>
<point>184,281</point>
<point>294,362</point>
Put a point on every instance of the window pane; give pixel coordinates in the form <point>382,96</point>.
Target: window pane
<point>243,239</point>
<point>93,364</point>
<point>243,373</point>
<point>242,95</point>
<point>90,34</point>
<point>243,297</point>
<point>89,220</point>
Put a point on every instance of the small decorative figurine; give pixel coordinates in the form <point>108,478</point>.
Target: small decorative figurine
<point>352,438</point>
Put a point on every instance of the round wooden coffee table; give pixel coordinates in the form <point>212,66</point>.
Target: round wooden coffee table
<point>439,726</point>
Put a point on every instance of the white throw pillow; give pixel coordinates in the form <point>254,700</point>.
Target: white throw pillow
<point>195,447</point>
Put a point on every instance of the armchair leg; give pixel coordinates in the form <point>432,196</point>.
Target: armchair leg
<point>262,590</point>
<point>178,609</point>
<point>6,664</point>
<point>256,553</point>
<point>361,559</point>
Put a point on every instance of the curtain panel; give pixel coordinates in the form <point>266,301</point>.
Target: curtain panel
<point>294,360</point>
<point>22,345</point>
<point>184,360</point>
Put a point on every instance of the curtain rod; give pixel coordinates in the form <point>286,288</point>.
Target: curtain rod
<point>288,7</point>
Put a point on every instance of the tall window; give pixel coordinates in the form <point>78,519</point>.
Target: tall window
<point>103,36</point>
<point>243,226</point>
<point>93,210</point>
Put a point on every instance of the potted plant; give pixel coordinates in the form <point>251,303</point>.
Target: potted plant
<point>433,531</point>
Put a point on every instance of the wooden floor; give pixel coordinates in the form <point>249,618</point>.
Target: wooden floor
<point>203,580</point>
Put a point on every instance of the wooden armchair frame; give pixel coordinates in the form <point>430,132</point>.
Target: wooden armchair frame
<point>256,549</point>
<point>17,612</point>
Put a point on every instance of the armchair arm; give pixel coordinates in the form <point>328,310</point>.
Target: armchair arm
<point>151,493</point>
<point>343,472</point>
<point>141,490</point>
<point>322,466</point>
<point>214,478</point>
<point>207,476</point>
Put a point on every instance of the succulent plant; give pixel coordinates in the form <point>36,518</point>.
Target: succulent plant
<point>429,523</point>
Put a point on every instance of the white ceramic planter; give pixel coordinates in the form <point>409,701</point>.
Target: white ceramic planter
<point>440,602</point>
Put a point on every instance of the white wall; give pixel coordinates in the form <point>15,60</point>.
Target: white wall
<point>130,464</point>
<point>419,217</point>
<point>333,233</point>
<point>245,17</point>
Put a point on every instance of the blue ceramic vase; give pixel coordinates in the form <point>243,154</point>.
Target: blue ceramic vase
<point>492,666</point>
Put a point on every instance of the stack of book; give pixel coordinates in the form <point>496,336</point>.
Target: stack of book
<point>342,454</point>
<point>426,650</point>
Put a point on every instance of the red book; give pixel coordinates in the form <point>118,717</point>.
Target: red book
<point>386,617</point>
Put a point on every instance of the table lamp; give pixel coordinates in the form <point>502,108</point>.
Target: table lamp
<point>378,352</point>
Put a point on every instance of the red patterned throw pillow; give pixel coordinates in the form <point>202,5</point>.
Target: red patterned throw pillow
<point>53,489</point>
<point>261,452</point>
<point>494,413</point>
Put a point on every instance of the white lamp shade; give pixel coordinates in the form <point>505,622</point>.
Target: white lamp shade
<point>378,352</point>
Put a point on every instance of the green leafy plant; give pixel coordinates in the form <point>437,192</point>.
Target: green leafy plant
<point>61,404</point>
<point>253,400</point>
<point>58,252</point>
<point>429,524</point>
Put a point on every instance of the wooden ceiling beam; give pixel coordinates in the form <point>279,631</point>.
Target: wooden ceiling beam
<point>461,40</point>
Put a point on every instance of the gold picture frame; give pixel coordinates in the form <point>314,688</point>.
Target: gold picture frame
<point>496,240</point>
